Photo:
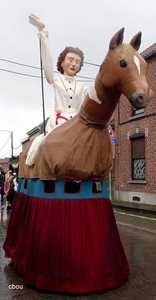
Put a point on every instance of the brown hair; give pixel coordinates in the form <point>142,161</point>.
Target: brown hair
<point>63,54</point>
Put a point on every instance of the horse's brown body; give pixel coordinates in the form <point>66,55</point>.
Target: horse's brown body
<point>80,148</point>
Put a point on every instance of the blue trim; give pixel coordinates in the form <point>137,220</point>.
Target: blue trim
<point>35,188</point>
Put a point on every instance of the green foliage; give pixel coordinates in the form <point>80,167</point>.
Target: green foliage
<point>14,159</point>
<point>112,177</point>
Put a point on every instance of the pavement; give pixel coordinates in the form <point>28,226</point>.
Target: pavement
<point>138,216</point>
<point>135,207</point>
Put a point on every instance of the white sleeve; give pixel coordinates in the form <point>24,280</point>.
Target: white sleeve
<point>46,55</point>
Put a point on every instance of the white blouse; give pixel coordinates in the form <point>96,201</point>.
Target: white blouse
<point>69,93</point>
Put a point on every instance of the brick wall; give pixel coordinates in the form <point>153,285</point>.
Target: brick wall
<point>124,128</point>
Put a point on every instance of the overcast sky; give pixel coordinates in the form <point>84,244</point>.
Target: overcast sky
<point>86,24</point>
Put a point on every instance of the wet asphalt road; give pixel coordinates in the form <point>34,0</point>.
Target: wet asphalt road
<point>138,237</point>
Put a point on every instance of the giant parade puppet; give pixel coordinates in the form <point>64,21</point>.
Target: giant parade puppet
<point>62,234</point>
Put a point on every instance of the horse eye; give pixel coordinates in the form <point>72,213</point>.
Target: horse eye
<point>123,64</point>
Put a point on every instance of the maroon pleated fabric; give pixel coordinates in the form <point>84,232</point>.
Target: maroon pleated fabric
<point>66,245</point>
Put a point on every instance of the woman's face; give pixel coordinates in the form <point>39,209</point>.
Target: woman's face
<point>71,64</point>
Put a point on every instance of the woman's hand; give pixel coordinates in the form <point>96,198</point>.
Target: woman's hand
<point>37,22</point>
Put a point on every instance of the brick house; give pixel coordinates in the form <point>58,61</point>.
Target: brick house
<point>4,164</point>
<point>135,153</point>
<point>33,133</point>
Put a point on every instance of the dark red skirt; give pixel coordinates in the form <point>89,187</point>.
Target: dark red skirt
<point>66,245</point>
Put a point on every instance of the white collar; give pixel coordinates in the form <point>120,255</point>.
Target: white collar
<point>71,78</point>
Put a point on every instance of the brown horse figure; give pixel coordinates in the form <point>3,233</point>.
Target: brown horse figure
<point>68,241</point>
<point>80,149</point>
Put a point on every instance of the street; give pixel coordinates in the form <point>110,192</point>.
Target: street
<point>138,235</point>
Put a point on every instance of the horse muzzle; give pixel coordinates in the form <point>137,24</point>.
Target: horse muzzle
<point>139,100</point>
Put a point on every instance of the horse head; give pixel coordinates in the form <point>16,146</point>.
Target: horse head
<point>122,71</point>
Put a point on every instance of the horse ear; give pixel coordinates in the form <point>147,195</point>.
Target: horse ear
<point>136,41</point>
<point>117,39</point>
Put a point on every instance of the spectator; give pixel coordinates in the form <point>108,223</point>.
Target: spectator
<point>9,189</point>
<point>2,187</point>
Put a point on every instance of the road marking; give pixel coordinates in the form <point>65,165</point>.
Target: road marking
<point>131,215</point>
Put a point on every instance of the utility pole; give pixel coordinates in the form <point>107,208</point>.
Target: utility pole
<point>11,136</point>
<point>11,144</point>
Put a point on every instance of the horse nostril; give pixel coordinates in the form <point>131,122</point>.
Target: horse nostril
<point>140,98</point>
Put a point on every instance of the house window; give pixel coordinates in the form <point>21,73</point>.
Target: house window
<point>136,111</point>
<point>138,157</point>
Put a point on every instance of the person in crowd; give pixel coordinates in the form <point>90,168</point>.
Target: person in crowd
<point>9,189</point>
<point>69,93</point>
<point>2,177</point>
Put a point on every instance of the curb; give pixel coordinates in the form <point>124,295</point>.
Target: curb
<point>137,208</point>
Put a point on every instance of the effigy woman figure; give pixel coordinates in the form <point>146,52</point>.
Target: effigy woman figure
<point>68,93</point>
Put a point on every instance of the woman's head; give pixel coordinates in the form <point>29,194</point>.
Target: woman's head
<point>78,58</point>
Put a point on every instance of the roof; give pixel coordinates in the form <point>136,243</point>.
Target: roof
<point>149,52</point>
<point>39,128</point>
<point>4,160</point>
<point>4,163</point>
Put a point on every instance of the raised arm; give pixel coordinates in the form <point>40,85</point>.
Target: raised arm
<point>37,22</point>
<point>46,54</point>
